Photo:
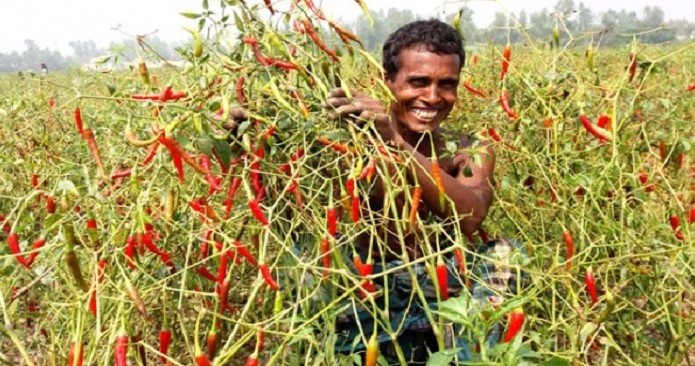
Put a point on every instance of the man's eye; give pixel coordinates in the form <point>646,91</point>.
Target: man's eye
<point>448,85</point>
<point>418,82</point>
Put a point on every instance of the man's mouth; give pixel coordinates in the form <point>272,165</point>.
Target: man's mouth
<point>425,114</point>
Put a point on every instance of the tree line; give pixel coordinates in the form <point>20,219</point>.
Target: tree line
<point>609,28</point>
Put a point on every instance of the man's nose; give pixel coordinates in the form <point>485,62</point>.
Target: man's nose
<point>433,95</point>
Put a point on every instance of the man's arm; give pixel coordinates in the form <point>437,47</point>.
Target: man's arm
<point>468,186</point>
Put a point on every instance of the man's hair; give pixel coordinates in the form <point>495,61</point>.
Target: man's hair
<point>435,35</point>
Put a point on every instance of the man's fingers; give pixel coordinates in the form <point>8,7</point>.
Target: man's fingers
<point>336,102</point>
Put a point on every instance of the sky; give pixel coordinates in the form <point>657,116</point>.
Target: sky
<point>52,24</point>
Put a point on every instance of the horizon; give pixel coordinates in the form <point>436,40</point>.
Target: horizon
<point>24,22</point>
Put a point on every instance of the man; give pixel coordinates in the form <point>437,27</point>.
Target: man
<point>422,62</point>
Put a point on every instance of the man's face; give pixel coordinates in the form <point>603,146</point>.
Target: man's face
<point>425,88</point>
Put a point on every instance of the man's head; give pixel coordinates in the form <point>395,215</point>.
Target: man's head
<point>433,35</point>
<point>423,61</point>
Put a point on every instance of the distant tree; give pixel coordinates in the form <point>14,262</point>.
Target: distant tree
<point>541,25</point>
<point>384,23</point>
<point>498,30</point>
<point>85,50</point>
<point>585,18</point>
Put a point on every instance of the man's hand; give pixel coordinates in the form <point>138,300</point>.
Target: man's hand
<point>359,109</point>
<point>236,116</point>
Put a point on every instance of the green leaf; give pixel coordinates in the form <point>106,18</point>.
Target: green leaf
<point>222,150</point>
<point>555,361</point>
<point>205,145</point>
<point>451,147</point>
<point>587,330</point>
<point>67,186</point>
<point>102,60</point>
<point>442,358</point>
<point>190,15</point>
<point>455,309</point>
<point>243,127</point>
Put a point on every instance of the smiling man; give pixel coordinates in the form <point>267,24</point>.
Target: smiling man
<point>422,63</point>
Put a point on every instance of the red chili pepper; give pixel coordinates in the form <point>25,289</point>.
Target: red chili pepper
<point>356,209</point>
<point>474,91</point>
<point>325,255</point>
<point>212,342</point>
<point>350,186</point>
<point>255,208</point>
<point>129,251</point>
<point>164,341</point>
<point>244,252</point>
<point>662,150</point>
<point>460,260</point>
<point>51,102</point>
<point>35,246</point>
<point>151,154</point>
<point>692,215</point>
<point>223,293</point>
<point>205,164</point>
<point>121,350</point>
<point>690,87</point>
<point>516,321</point>
<point>75,354</point>
<point>34,181</point>
<point>88,136</point>
<point>569,252</point>
<point>336,146</point>
<point>121,174</point>
<point>204,272</point>
<point>644,179</point>
<point>50,204</point>
<point>268,277</point>
<point>594,130</point>
<point>315,37</point>
<point>548,122</point>
<point>632,66</point>
<point>483,235</point>
<point>315,10</point>
<point>675,224</point>
<point>252,360</point>
<point>357,261</point>
<point>437,176</point>
<point>229,201</point>
<point>178,153</point>
<point>591,285</point>
<point>504,102</point>
<point>679,160</point>
<point>604,121</point>
<point>368,171</point>
<point>331,221</point>
<point>442,279</point>
<point>269,5</point>
<point>494,135</point>
<point>202,360</point>
<point>506,58</point>
<point>239,89</point>
<point>78,120</point>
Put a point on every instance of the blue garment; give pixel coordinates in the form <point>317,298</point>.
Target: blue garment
<point>495,268</point>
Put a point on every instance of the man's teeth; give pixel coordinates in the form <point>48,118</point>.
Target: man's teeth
<point>425,114</point>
